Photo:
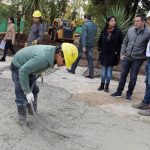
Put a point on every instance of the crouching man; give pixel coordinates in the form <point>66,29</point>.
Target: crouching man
<point>29,62</point>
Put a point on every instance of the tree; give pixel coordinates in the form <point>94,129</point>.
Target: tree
<point>104,8</point>
<point>145,4</point>
<point>49,8</point>
<point>5,11</point>
<point>76,8</point>
<point>131,6</point>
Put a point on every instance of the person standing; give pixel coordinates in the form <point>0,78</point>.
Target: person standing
<point>36,31</point>
<point>145,104</point>
<point>9,38</point>
<point>133,55</point>
<point>109,46</point>
<point>28,63</point>
<point>86,44</point>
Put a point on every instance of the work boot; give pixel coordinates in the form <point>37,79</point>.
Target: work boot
<point>144,112</point>
<point>106,87</point>
<point>2,59</point>
<point>22,115</point>
<point>34,106</point>
<point>101,87</point>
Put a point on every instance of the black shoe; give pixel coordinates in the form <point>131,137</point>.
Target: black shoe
<point>89,76</point>
<point>128,97</point>
<point>70,71</point>
<point>2,59</point>
<point>116,94</point>
<point>101,87</point>
<point>106,87</point>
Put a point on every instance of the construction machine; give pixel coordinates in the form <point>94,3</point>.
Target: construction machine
<point>62,30</point>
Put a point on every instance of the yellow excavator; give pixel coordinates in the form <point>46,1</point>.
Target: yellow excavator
<point>62,30</point>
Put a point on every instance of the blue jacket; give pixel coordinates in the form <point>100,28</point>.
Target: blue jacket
<point>36,33</point>
<point>88,34</point>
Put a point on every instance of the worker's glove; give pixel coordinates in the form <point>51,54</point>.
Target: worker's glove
<point>25,44</point>
<point>30,97</point>
<point>34,42</point>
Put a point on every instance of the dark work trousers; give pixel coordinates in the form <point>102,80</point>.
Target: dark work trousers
<point>89,57</point>
<point>8,46</point>
<point>132,66</point>
<point>20,96</point>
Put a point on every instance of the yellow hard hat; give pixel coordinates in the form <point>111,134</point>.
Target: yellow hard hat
<point>37,13</point>
<point>70,53</point>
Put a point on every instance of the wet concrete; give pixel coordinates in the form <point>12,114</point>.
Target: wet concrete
<point>71,105</point>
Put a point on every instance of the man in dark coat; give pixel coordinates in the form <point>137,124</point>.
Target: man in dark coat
<point>86,45</point>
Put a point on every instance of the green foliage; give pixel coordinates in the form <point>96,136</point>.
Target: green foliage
<point>79,22</point>
<point>123,21</point>
<point>49,8</point>
<point>5,11</point>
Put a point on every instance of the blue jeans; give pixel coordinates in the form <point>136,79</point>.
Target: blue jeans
<point>20,96</point>
<point>89,57</point>
<point>133,66</point>
<point>106,74</point>
<point>147,82</point>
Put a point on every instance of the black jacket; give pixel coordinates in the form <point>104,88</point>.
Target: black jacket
<point>110,48</point>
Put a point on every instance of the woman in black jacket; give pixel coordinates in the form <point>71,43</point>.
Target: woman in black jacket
<point>109,46</point>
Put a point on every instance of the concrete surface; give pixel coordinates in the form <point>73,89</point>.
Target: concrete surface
<point>71,105</point>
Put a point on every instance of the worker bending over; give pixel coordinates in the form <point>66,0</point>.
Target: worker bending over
<point>29,62</point>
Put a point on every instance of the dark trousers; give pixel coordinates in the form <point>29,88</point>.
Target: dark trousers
<point>89,57</point>
<point>20,96</point>
<point>8,46</point>
<point>133,66</point>
<point>147,82</point>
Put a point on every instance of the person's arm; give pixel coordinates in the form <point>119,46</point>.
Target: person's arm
<point>13,31</point>
<point>5,37</point>
<point>124,44</point>
<point>31,66</point>
<point>120,40</point>
<point>84,35</point>
<point>100,42</point>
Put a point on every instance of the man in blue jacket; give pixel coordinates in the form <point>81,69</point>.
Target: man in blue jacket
<point>86,45</point>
